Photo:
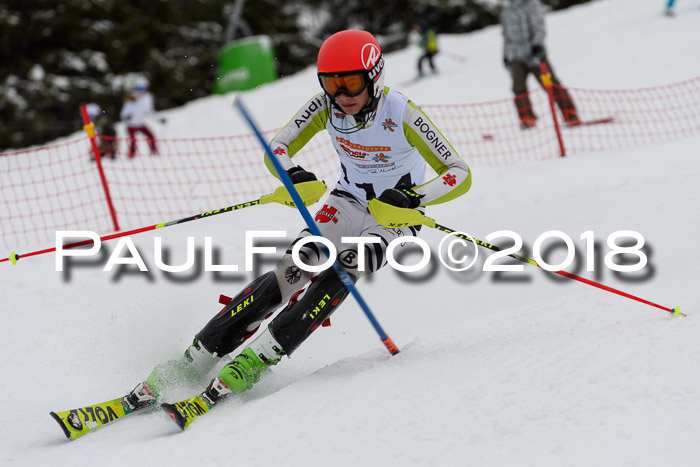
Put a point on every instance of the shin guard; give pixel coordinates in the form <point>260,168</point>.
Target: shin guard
<point>300,318</point>
<point>241,316</point>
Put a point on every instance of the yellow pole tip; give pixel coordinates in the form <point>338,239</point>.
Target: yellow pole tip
<point>13,257</point>
<point>677,311</point>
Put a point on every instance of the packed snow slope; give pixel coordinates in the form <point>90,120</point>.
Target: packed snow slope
<point>495,369</point>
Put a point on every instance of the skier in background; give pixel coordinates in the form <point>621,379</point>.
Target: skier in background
<point>427,42</point>
<point>523,51</point>
<point>138,106</point>
<point>669,8</point>
<point>105,128</point>
<point>384,143</point>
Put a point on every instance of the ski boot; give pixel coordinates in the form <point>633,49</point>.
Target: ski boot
<point>571,117</point>
<point>244,371</point>
<point>527,122</point>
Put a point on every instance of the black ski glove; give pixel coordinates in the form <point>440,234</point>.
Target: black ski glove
<point>538,52</point>
<point>299,175</point>
<point>506,62</point>
<point>401,197</point>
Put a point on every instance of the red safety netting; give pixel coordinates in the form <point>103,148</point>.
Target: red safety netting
<point>489,133</point>
<point>196,175</point>
<point>47,189</point>
<point>640,116</point>
<point>58,187</point>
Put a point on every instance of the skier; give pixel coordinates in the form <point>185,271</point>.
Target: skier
<point>669,8</point>
<point>384,142</point>
<point>523,51</point>
<point>428,42</point>
<point>138,106</point>
<point>105,128</point>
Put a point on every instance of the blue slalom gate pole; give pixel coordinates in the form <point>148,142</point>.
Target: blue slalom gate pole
<point>342,274</point>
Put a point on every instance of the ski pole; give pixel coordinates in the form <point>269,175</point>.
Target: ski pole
<point>312,192</point>
<point>342,274</point>
<point>417,218</point>
<point>676,311</point>
<point>453,55</point>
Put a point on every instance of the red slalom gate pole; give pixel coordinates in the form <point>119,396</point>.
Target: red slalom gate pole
<point>89,128</point>
<point>546,79</point>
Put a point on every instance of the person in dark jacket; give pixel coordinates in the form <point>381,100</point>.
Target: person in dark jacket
<point>523,51</point>
<point>105,130</point>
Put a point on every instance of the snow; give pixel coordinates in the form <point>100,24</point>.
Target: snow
<point>36,72</point>
<point>494,370</point>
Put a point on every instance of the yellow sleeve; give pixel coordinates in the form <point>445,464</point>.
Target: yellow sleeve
<point>308,121</point>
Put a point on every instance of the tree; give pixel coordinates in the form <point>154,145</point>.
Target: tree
<point>58,54</point>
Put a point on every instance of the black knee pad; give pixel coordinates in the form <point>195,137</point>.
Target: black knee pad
<point>227,330</point>
<point>301,317</point>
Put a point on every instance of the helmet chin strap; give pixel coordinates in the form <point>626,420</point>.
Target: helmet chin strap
<point>366,114</point>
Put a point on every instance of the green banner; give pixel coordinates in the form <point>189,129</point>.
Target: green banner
<point>245,64</point>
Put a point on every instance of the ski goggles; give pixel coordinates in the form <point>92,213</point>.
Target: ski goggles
<point>351,84</point>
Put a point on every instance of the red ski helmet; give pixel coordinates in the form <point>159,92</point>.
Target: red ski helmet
<point>353,51</point>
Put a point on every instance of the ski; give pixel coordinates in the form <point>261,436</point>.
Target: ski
<point>597,121</point>
<point>183,413</point>
<point>77,422</point>
<point>417,79</point>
